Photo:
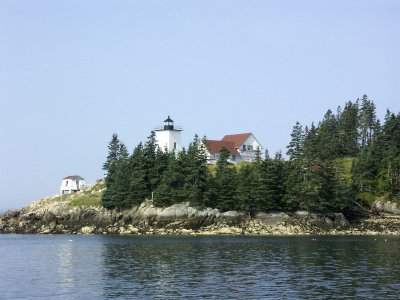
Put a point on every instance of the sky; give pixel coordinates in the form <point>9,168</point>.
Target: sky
<point>74,72</point>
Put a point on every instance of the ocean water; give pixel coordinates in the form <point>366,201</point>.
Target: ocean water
<point>198,267</point>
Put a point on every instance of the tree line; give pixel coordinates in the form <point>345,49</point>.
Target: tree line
<point>312,178</point>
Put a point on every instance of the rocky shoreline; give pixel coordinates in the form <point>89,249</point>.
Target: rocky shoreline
<point>48,216</point>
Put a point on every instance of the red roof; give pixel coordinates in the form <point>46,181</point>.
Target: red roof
<point>237,139</point>
<point>216,146</point>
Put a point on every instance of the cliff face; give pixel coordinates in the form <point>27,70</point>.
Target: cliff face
<point>61,215</point>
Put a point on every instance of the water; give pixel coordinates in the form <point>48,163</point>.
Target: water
<point>148,267</point>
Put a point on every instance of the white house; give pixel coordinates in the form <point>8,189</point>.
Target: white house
<point>169,137</point>
<point>241,147</point>
<point>71,184</point>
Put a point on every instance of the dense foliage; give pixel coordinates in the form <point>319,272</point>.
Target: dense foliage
<point>316,176</point>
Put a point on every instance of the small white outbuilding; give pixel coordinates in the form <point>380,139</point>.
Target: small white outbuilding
<point>71,184</point>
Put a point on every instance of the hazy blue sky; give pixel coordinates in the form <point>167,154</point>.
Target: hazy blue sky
<point>74,72</point>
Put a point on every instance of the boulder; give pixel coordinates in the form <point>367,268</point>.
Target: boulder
<point>271,219</point>
<point>388,207</point>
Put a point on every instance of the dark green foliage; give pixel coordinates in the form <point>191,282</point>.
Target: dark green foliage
<point>170,190</point>
<point>196,173</point>
<point>367,119</point>
<point>348,130</point>
<point>138,187</point>
<point>225,182</point>
<point>295,147</point>
<point>294,178</point>
<point>113,152</point>
<point>314,178</point>
<point>247,185</point>
<point>117,178</point>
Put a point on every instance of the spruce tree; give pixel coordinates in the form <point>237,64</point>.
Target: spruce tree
<point>120,197</point>
<point>246,186</point>
<point>170,189</point>
<point>110,166</point>
<point>225,180</point>
<point>196,173</point>
<point>138,187</point>
<point>295,146</point>
<point>113,152</point>
<point>151,166</point>
<point>367,117</point>
<point>348,130</point>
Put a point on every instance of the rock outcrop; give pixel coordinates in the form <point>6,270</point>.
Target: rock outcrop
<point>54,216</point>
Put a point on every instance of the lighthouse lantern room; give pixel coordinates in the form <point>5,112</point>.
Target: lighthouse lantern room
<point>169,137</point>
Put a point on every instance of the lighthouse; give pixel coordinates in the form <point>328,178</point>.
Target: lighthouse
<point>169,137</point>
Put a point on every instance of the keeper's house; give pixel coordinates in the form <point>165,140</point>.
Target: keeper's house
<point>71,184</point>
<point>241,147</point>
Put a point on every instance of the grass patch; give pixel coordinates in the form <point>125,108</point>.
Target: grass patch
<point>90,196</point>
<point>86,200</point>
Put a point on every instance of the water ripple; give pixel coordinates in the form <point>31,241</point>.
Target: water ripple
<point>150,267</point>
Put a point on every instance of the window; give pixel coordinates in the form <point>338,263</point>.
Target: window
<point>174,145</point>
<point>66,183</point>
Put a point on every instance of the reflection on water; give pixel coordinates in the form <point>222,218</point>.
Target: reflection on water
<point>106,267</point>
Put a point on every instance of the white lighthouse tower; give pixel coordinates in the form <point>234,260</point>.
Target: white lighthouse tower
<point>169,137</point>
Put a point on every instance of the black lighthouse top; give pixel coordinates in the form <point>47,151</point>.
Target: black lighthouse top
<point>168,124</point>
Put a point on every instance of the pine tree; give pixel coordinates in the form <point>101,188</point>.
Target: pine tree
<point>295,146</point>
<point>138,187</point>
<point>170,188</point>
<point>110,166</point>
<point>151,153</point>
<point>260,191</point>
<point>293,198</point>
<point>120,197</point>
<point>225,181</point>
<point>246,185</point>
<point>113,152</point>
<point>328,137</point>
<point>348,130</point>
<point>196,173</point>
<point>367,117</point>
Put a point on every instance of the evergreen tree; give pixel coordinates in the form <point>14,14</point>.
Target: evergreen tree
<point>170,188</point>
<point>113,152</point>
<point>295,146</point>
<point>152,164</point>
<point>328,137</point>
<point>311,145</point>
<point>110,166</point>
<point>348,130</point>
<point>260,192</point>
<point>294,178</point>
<point>138,187</point>
<point>367,119</point>
<point>225,182</point>
<point>246,185</point>
<point>121,185</point>
<point>196,173</point>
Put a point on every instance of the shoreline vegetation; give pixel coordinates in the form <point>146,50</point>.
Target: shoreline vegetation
<point>341,176</point>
